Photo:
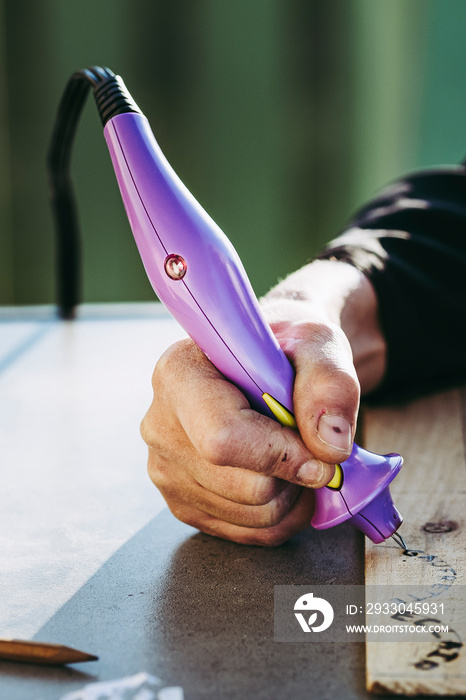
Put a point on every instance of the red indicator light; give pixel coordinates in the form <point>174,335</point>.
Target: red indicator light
<point>175,266</point>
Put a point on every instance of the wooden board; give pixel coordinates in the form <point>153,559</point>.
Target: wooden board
<point>430,492</point>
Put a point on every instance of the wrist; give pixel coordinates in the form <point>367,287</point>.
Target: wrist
<point>334,293</point>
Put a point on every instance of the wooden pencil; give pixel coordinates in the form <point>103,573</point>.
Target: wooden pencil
<point>42,653</point>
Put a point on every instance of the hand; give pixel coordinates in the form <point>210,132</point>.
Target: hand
<point>231,472</point>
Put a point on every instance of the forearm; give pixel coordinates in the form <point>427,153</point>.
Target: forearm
<point>335,293</point>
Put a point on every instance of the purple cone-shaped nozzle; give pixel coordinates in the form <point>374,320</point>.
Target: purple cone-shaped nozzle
<point>363,497</point>
<point>380,519</point>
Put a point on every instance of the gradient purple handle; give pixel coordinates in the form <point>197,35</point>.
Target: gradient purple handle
<point>214,302</point>
<point>216,305</point>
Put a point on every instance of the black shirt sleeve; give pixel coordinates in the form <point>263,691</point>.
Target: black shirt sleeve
<point>410,241</point>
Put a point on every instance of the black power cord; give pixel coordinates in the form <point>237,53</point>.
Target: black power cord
<point>112,98</point>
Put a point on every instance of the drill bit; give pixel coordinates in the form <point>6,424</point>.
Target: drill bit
<point>399,540</point>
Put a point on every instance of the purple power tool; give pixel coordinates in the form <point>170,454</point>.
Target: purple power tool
<point>197,274</point>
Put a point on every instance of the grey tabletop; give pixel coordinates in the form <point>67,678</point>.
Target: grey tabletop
<point>91,557</point>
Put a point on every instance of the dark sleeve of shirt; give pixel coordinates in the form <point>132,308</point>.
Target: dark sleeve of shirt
<point>411,243</point>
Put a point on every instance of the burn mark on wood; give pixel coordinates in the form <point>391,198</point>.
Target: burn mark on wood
<point>441,527</point>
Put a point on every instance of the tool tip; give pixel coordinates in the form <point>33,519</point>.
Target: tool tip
<point>399,540</point>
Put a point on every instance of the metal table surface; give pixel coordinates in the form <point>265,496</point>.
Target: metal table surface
<point>91,557</point>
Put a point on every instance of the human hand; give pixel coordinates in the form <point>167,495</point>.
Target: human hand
<point>232,472</point>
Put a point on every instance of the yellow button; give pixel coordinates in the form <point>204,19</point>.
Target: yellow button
<point>336,482</point>
<point>282,414</point>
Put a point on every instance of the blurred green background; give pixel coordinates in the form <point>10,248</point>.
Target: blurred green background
<point>281,116</point>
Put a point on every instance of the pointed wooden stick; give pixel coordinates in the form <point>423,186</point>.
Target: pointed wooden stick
<point>41,653</point>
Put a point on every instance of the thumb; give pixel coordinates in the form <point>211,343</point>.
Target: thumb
<point>326,391</point>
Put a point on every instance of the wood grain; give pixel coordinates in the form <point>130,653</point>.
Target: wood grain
<point>430,492</point>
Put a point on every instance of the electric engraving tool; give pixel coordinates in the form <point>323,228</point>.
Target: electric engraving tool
<point>197,274</point>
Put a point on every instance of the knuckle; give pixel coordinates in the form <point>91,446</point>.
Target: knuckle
<point>274,464</point>
<point>340,384</point>
<point>180,512</point>
<point>279,507</point>
<point>171,361</point>
<point>273,537</point>
<point>272,514</point>
<point>216,445</point>
<point>146,430</point>
<point>158,474</point>
<point>153,434</point>
<point>185,514</point>
<point>263,489</point>
<point>342,390</point>
<point>325,344</point>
